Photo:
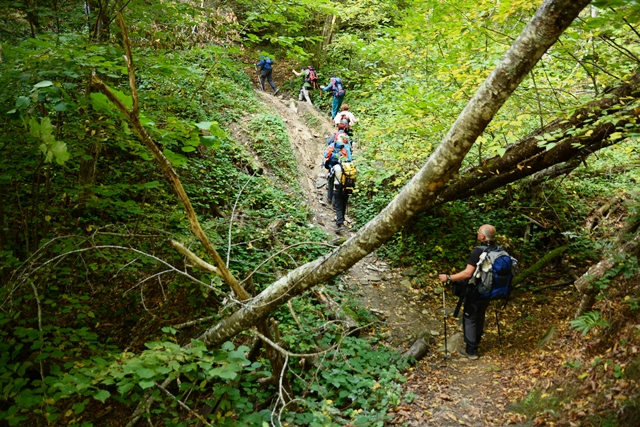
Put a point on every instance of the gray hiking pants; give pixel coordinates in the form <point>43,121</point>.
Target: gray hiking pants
<point>304,92</point>
<point>473,321</point>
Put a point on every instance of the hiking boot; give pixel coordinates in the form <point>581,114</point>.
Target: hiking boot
<point>340,229</point>
<point>464,353</point>
<point>276,91</point>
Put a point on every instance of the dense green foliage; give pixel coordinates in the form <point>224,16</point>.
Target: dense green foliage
<point>97,308</point>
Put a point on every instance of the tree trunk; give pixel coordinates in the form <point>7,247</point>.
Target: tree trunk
<point>551,19</point>
<point>134,120</point>
<point>527,157</point>
<point>87,172</point>
<point>584,284</point>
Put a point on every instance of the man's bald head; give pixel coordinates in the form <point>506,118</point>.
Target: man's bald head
<point>488,232</point>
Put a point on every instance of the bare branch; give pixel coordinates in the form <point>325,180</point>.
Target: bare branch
<point>165,165</point>
<point>182,404</point>
<point>284,250</point>
<point>161,261</point>
<point>192,322</point>
<point>199,262</point>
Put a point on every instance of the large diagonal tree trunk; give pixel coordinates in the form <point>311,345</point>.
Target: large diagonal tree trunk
<point>551,19</point>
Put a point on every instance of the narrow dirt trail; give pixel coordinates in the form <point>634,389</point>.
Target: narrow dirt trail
<point>448,392</point>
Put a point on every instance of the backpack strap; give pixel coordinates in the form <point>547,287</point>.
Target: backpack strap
<point>456,312</point>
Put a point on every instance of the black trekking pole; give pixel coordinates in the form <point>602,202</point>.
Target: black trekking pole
<point>444,320</point>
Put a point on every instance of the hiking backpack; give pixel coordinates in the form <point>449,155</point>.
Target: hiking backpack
<point>348,177</point>
<point>337,87</point>
<point>334,154</point>
<point>266,63</point>
<point>494,273</point>
<point>312,76</point>
<point>345,120</point>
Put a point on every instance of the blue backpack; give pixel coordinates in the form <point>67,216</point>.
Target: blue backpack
<point>265,63</point>
<point>337,87</point>
<point>493,276</point>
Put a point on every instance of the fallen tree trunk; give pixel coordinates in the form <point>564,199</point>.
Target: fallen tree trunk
<point>594,216</point>
<point>549,22</point>
<point>543,262</point>
<point>527,157</point>
<point>418,350</point>
<point>584,284</point>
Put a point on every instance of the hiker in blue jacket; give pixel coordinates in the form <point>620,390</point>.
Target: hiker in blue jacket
<point>337,90</point>
<point>335,152</point>
<point>265,68</point>
<point>474,307</point>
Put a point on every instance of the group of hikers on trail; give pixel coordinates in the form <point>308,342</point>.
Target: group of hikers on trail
<point>489,272</point>
<point>337,158</point>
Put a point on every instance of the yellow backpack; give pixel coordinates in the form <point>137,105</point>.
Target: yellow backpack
<point>348,177</point>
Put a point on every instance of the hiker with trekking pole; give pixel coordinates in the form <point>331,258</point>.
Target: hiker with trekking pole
<point>488,276</point>
<point>264,68</point>
<point>341,179</point>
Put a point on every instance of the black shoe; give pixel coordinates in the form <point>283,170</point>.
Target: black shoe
<point>340,229</point>
<point>276,91</point>
<point>464,353</point>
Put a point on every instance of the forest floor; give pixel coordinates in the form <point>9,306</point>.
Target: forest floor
<point>511,382</point>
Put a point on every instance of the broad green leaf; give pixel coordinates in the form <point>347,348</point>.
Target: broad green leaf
<point>59,151</point>
<point>204,125</point>
<point>188,148</point>
<point>210,141</point>
<point>23,102</point>
<point>100,102</point>
<point>102,395</point>
<point>146,384</point>
<point>64,106</point>
<point>615,136</point>
<point>46,128</point>
<point>126,387</point>
<point>34,127</point>
<point>145,373</point>
<point>44,83</point>
<point>149,185</point>
<point>175,158</point>
<point>127,100</point>
<point>224,372</point>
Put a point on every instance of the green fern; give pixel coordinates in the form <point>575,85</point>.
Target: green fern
<point>588,321</point>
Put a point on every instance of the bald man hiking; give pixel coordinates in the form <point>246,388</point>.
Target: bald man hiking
<point>475,306</point>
